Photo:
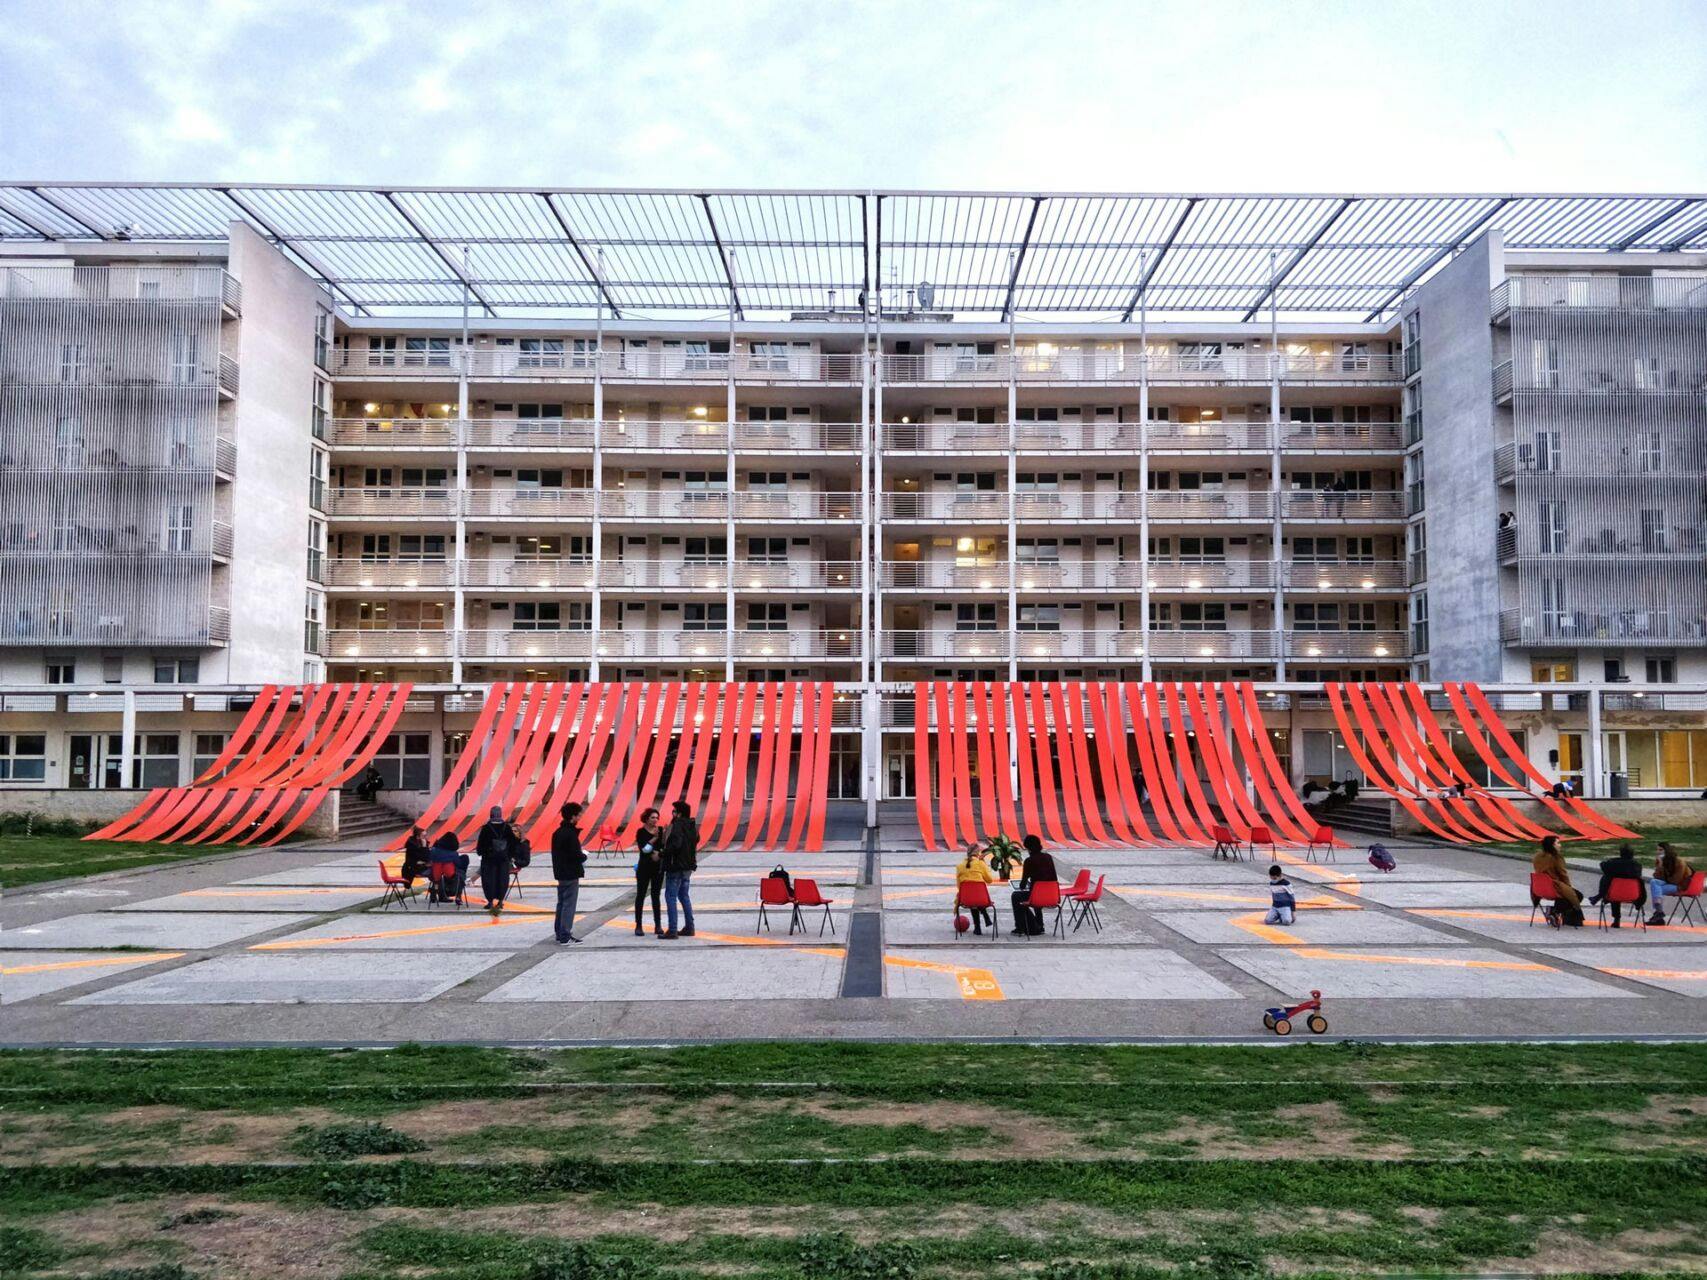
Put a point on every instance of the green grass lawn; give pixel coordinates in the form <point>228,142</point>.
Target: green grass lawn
<point>54,849</point>
<point>779,1161</point>
<point>1689,841</point>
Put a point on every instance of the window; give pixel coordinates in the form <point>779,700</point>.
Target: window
<point>1038,551</point>
<point>1551,538</point>
<point>112,669</point>
<point>707,550</point>
<point>61,672</point>
<point>180,441</point>
<point>1654,531</point>
<point>403,760</point>
<point>1200,357</point>
<point>61,614</point>
<point>1651,453</point>
<point>705,356</point>
<point>767,550</point>
<point>433,353</point>
<point>704,617</point>
<point>208,747</point>
<point>177,670</point>
<point>1647,372</point>
<point>1544,360</point>
<point>1662,670</point>
<point>1547,451</point>
<point>974,617</point>
<point>1555,614</point>
<point>767,617</point>
<point>156,760</point>
<point>770,355</point>
<point>381,353</point>
<point>23,757</point>
<point>73,361</point>
<point>1354,357</point>
<point>543,616</point>
<point>1039,617</point>
<point>1419,622</point>
<point>180,527</point>
<point>541,353</point>
<point>68,442</point>
<point>1203,617</point>
<point>184,363</point>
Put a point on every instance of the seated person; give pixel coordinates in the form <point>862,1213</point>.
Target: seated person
<point>447,849</point>
<point>371,784</point>
<point>1281,902</point>
<point>1623,867</point>
<point>1568,908</point>
<point>1671,873</point>
<point>1313,792</point>
<point>973,867</point>
<point>417,858</point>
<point>1039,866</point>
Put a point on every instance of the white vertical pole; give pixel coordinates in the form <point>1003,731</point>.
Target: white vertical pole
<point>127,744</point>
<point>874,708</point>
<point>1275,538</point>
<point>869,568</point>
<point>729,499</point>
<point>1013,482</point>
<point>459,616</point>
<point>1594,775</point>
<point>1148,669</point>
<point>596,617</point>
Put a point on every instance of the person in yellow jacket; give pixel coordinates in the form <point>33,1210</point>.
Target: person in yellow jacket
<point>973,867</point>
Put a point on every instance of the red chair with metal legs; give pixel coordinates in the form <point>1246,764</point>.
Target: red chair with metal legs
<point>1542,891</point>
<point>806,895</point>
<point>1323,838</point>
<point>773,892</point>
<point>1086,906</point>
<point>1081,882</point>
<point>974,895</point>
<point>1688,899</point>
<point>396,888</point>
<point>446,879</point>
<point>1262,835</point>
<point>1626,892</point>
<point>1226,843</point>
<point>1046,894</point>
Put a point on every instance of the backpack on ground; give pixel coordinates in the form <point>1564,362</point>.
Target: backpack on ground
<point>1380,859</point>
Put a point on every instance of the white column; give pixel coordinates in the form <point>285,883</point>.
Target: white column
<point>874,697</point>
<point>1279,569</point>
<point>1594,771</point>
<point>1013,481</point>
<point>1148,670</point>
<point>458,607</point>
<point>595,616</point>
<point>729,501</point>
<point>869,569</point>
<point>127,743</point>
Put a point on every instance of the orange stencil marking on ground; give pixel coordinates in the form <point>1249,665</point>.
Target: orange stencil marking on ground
<point>104,961</point>
<point>975,983</point>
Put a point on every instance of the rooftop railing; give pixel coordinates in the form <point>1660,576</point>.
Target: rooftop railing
<point>163,283</point>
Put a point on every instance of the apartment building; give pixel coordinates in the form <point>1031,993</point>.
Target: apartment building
<point>465,437</point>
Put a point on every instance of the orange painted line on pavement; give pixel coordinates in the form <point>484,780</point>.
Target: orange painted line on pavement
<point>1519,915</point>
<point>1314,904</point>
<point>1676,975</point>
<point>975,984</point>
<point>291,944</point>
<point>104,961</point>
<point>266,893</point>
<point>742,940</point>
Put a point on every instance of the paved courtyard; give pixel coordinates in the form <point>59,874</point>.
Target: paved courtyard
<point>290,946</point>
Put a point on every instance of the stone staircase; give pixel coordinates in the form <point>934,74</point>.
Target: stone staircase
<point>358,818</point>
<point>1368,815</point>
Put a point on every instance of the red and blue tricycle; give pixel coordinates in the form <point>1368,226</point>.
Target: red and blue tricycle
<point>1279,1020</point>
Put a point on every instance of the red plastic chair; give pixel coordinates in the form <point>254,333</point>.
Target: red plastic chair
<point>1541,889</point>
<point>974,895</point>
<point>1262,835</point>
<point>604,839</point>
<point>1226,843</point>
<point>1626,892</point>
<point>396,888</point>
<point>446,879</point>
<point>773,892</point>
<point>1046,894</point>
<point>1081,882</point>
<point>1688,898</point>
<point>1323,836</point>
<point>806,895</point>
<point>1086,907</point>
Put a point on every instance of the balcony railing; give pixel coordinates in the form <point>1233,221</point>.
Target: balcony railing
<point>1355,505</point>
<point>1125,646</point>
<point>1502,382</point>
<point>1205,505</point>
<point>493,643</point>
<point>127,282</point>
<point>343,644</point>
<point>221,541</point>
<point>746,646</point>
<point>708,505</point>
<point>513,503</point>
<point>228,379</point>
<point>225,457</point>
<point>389,574</point>
<point>663,575</point>
<point>1128,367</point>
<point>566,573</point>
<point>619,364</point>
<point>394,433</point>
<point>438,503</point>
<point>1345,575</point>
<point>1598,292</point>
<point>1381,645</point>
<point>1615,629</point>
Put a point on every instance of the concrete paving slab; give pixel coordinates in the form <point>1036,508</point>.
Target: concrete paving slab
<point>1179,897</point>
<point>1201,873</point>
<point>672,971</point>
<point>300,978</point>
<point>1049,971</point>
<point>418,931</point>
<point>321,875</point>
<point>1511,924</point>
<point>1405,873</point>
<point>726,928</point>
<point>26,974</point>
<point>935,928</point>
<point>1668,968</point>
<point>1310,927</point>
<point>162,930</point>
<point>1491,893</point>
<point>259,898</point>
<point>1441,973</point>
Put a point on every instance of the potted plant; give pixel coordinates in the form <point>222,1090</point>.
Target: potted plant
<point>1004,855</point>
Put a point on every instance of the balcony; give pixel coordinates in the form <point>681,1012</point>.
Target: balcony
<point>666,575</point>
<point>1111,367</point>
<point>1206,506</point>
<point>1617,629</point>
<point>1353,506</point>
<point>1596,293</point>
<point>1505,545</point>
<point>1345,575</point>
<point>1342,437</point>
<point>841,645</point>
<point>227,377</point>
<point>225,457</point>
<point>388,575</point>
<point>513,503</point>
<point>973,507</point>
<point>1077,645</point>
<point>567,573</point>
<point>498,645</point>
<point>713,505</point>
<point>1210,575</point>
<point>393,503</point>
<point>1382,645</point>
<point>394,433</point>
<point>220,543</point>
<point>627,363</point>
<point>124,282</point>
<point>387,644</point>
<point>556,435</point>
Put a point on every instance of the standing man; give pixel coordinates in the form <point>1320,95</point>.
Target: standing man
<point>568,864</point>
<point>681,860</point>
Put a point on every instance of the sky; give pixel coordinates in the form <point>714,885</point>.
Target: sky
<point>1071,95</point>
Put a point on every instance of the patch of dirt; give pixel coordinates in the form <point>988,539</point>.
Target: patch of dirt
<point>1321,1131</point>
<point>180,1135</point>
<point>1018,1135</point>
<point>1631,1252</point>
<point>246,1241</point>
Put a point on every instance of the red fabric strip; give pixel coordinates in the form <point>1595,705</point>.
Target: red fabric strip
<point>244,734</point>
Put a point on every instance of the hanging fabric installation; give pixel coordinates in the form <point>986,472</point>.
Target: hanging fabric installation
<point>293,747</point>
<point>1097,763</point>
<point>751,759</point>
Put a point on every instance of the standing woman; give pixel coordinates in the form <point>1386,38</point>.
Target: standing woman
<point>496,844</point>
<point>648,872</point>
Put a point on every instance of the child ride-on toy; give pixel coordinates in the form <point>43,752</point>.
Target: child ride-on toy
<point>1279,1021</point>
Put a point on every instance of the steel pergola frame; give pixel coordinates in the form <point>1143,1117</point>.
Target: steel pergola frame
<point>981,256</point>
